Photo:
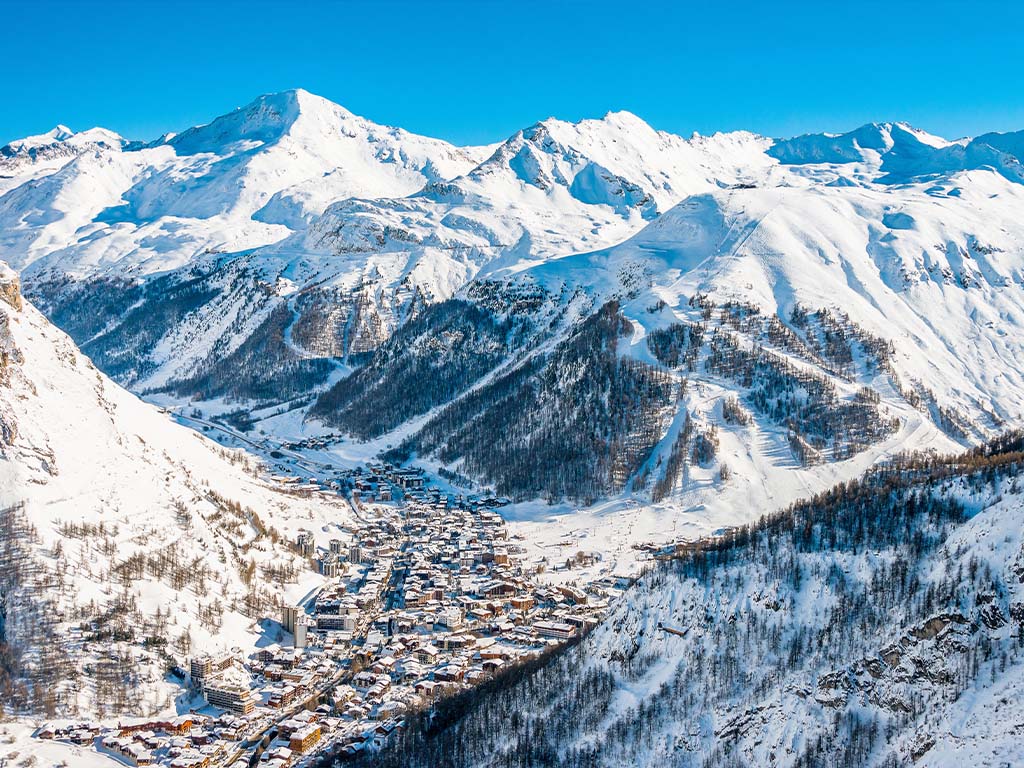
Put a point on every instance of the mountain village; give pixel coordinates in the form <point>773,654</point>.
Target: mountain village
<point>424,596</point>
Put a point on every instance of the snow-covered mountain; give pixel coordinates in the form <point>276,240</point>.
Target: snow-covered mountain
<point>854,294</point>
<point>552,189</point>
<point>414,223</point>
<point>123,535</point>
<point>879,624</point>
<point>246,179</point>
<point>638,338</point>
<point>902,153</point>
<point>919,267</point>
<point>36,156</point>
<point>811,322</point>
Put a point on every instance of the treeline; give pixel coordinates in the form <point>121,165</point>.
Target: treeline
<point>508,298</point>
<point>123,321</point>
<point>34,669</point>
<point>264,367</point>
<point>427,362</point>
<point>802,400</point>
<point>575,424</point>
<point>107,300</point>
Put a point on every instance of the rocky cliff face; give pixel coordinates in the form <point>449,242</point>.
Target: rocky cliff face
<point>10,287</point>
<point>10,355</point>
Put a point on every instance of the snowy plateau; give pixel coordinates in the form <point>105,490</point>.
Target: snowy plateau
<point>327,443</point>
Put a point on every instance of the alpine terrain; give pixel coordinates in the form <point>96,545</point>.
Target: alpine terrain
<point>324,442</point>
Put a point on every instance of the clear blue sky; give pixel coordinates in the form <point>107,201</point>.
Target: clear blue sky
<point>477,71</point>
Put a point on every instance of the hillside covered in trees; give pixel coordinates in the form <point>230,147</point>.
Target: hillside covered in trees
<point>878,624</point>
<point>576,423</point>
<point>128,543</point>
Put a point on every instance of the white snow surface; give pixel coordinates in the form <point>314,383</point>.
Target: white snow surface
<point>245,179</point>
<point>920,267</point>
<point>917,238</point>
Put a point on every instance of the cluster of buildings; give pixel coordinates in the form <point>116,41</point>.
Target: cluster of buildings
<point>422,596</point>
<point>187,741</point>
<point>425,597</point>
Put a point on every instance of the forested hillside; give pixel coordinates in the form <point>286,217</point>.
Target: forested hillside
<point>428,362</point>
<point>880,623</point>
<point>573,424</point>
<point>127,542</point>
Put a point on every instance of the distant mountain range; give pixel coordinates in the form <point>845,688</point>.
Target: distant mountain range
<point>857,293</point>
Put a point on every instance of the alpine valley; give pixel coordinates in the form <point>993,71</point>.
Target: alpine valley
<point>325,442</point>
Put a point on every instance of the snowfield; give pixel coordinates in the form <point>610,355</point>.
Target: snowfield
<point>246,179</point>
<point>310,234</point>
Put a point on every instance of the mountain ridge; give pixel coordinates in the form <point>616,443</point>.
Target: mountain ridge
<point>863,232</point>
<point>778,382</point>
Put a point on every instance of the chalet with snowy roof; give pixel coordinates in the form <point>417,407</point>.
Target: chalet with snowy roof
<point>497,589</point>
<point>450,673</point>
<point>427,654</point>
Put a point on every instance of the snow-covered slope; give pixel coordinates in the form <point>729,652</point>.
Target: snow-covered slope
<point>854,293</point>
<point>375,257</point>
<point>34,156</point>
<point>549,190</point>
<point>121,522</point>
<point>246,179</point>
<point>936,268</point>
<point>895,153</point>
<point>813,322</point>
<point>552,189</point>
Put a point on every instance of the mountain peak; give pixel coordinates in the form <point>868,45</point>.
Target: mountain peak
<point>620,120</point>
<point>266,119</point>
<point>60,141</point>
<point>302,101</point>
<point>853,146</point>
<point>1011,143</point>
<point>60,132</point>
<point>624,117</point>
<point>57,134</point>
